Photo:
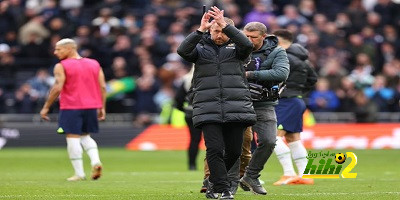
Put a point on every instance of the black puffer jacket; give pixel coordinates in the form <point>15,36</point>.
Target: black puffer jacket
<point>220,93</point>
<point>301,77</point>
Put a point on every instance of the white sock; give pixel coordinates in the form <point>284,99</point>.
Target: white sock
<point>283,153</point>
<point>75,151</point>
<point>299,154</point>
<point>90,147</point>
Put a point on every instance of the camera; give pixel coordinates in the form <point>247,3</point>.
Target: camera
<point>274,92</point>
<point>260,93</point>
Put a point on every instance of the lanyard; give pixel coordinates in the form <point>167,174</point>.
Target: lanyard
<point>257,63</point>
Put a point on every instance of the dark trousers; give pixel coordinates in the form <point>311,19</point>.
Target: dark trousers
<point>224,146</point>
<point>195,137</point>
<point>266,129</point>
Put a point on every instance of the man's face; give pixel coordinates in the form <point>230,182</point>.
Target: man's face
<point>217,35</point>
<point>62,51</point>
<point>256,38</point>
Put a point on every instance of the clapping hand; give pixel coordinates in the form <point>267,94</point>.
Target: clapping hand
<point>218,16</point>
<point>205,22</point>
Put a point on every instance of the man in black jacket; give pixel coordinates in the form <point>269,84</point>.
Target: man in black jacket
<point>290,111</point>
<point>221,101</point>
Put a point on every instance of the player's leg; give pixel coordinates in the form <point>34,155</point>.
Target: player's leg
<point>75,151</point>
<point>90,125</point>
<point>90,146</point>
<point>299,154</point>
<point>70,122</point>
<point>282,152</point>
<point>289,112</point>
<point>297,149</point>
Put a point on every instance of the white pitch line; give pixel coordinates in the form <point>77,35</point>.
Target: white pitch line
<point>332,193</point>
<point>91,195</point>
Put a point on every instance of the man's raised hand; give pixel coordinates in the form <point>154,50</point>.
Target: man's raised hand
<point>205,22</point>
<point>218,16</point>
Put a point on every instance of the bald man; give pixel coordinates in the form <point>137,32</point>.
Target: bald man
<point>81,85</point>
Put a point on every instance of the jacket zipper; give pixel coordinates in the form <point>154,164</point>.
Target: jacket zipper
<point>220,87</point>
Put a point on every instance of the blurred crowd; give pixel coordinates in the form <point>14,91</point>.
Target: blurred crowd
<point>353,44</point>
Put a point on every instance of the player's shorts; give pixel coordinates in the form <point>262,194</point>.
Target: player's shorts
<point>289,114</point>
<point>79,122</point>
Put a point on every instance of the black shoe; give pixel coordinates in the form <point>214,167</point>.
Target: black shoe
<point>234,187</point>
<point>210,194</point>
<point>253,184</point>
<point>244,187</point>
<point>203,187</point>
<point>226,195</point>
<point>192,168</point>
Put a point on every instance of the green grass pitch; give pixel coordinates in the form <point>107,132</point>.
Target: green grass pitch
<point>40,173</point>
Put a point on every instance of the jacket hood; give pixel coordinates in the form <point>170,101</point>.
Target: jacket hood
<point>270,42</point>
<point>298,51</point>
